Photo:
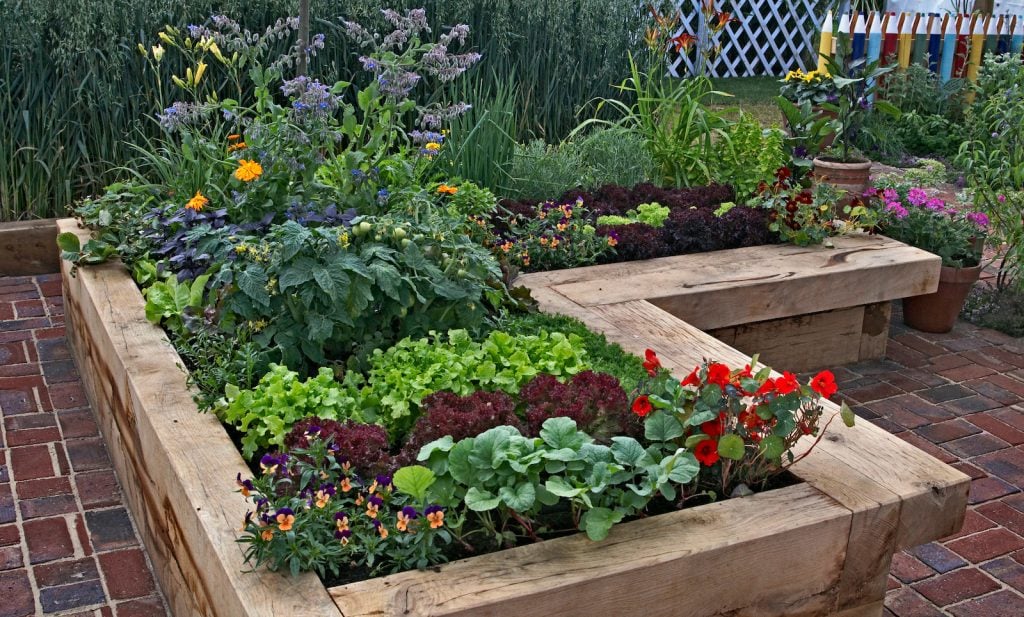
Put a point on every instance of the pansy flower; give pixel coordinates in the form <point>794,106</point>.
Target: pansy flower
<point>285,519</point>
<point>346,485</point>
<point>341,520</point>
<point>384,482</point>
<point>247,520</point>
<point>267,534</point>
<point>373,505</point>
<point>270,462</point>
<point>343,535</point>
<point>245,486</point>
<point>381,529</point>
<point>405,516</point>
<point>434,514</point>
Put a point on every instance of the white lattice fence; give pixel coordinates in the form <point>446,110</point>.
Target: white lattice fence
<point>772,38</point>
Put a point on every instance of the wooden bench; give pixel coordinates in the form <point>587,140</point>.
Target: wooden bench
<point>800,308</point>
<point>820,547</point>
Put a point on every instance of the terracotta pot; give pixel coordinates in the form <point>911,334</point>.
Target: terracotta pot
<point>937,312</point>
<point>851,177</point>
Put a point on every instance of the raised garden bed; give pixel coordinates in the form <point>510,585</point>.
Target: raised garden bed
<point>801,308</point>
<point>822,546</point>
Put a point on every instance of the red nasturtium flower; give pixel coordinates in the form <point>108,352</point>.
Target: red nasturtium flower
<point>651,364</point>
<point>787,383</point>
<point>692,379</point>
<point>714,428</point>
<point>642,406</point>
<point>718,373</point>
<point>707,452</point>
<point>824,383</point>
<point>766,387</point>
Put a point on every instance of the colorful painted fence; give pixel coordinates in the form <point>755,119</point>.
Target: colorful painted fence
<point>951,46</point>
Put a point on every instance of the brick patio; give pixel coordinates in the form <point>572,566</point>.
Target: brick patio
<point>67,544</point>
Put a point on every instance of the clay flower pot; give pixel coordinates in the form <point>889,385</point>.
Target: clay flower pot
<point>851,177</point>
<point>937,312</point>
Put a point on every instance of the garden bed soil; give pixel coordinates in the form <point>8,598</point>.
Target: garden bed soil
<point>819,547</point>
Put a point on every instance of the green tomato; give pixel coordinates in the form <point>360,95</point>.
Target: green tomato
<point>399,233</point>
<point>406,242</point>
<point>362,228</point>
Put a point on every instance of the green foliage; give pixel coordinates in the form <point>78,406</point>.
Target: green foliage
<point>323,293</point>
<point>915,89</point>
<point>168,301</point>
<point>503,473</point>
<point>614,156</point>
<point>927,172</point>
<point>852,109</point>
<point>807,130</point>
<point>265,414</point>
<point>671,116</point>
<point>811,215</point>
<point>601,355</point>
<point>999,309</point>
<point>401,377</point>
<point>481,143</point>
<point>931,135</point>
<point>653,214</point>
<point>750,155</point>
<point>543,171</point>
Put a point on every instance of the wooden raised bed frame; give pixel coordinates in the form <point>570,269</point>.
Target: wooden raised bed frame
<point>821,547</point>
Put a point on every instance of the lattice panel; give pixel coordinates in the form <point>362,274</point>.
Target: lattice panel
<point>772,38</point>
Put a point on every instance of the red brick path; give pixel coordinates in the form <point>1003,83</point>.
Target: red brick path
<point>960,397</point>
<point>67,543</point>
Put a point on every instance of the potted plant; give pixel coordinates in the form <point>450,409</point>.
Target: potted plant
<point>957,236</point>
<point>843,166</point>
<point>800,101</point>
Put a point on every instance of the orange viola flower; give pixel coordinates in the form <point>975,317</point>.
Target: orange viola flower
<point>285,519</point>
<point>434,514</point>
<point>267,535</point>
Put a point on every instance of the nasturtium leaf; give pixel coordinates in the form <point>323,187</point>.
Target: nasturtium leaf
<point>459,466</point>
<point>692,441</point>
<point>772,447</point>
<point>69,242</point>
<point>414,481</point>
<point>546,497</point>
<point>479,500</point>
<point>597,522</point>
<point>521,498</point>
<point>661,426</point>
<point>562,454</point>
<point>731,446</point>
<point>847,414</point>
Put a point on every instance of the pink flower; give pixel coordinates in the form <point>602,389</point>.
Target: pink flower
<point>917,196</point>
<point>890,195</point>
<point>935,204</point>
<point>1001,198</point>
<point>897,209</point>
<point>978,218</point>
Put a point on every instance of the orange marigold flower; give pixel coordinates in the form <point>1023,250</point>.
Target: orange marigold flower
<point>445,189</point>
<point>248,170</point>
<point>234,136</point>
<point>198,202</point>
<point>239,146</point>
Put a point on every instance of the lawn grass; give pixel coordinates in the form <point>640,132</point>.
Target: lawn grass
<point>754,95</point>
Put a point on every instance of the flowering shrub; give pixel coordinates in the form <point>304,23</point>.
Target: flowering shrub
<point>815,87</point>
<point>741,425</point>
<point>556,236</point>
<point>929,223</point>
<point>809,215</point>
<point>313,512</point>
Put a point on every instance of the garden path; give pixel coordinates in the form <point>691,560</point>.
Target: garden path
<point>68,545</point>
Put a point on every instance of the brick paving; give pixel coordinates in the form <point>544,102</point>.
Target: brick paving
<point>960,397</point>
<point>67,544</point>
